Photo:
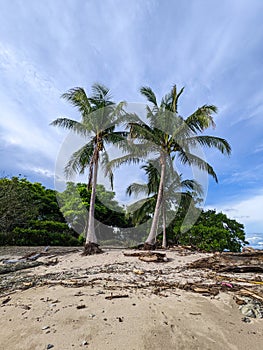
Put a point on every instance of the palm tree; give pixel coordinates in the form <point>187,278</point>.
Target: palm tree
<point>99,116</point>
<point>175,189</point>
<point>171,138</point>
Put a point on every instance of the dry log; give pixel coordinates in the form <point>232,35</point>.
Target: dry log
<point>19,266</point>
<point>148,256</point>
<point>241,269</point>
<point>232,262</point>
<point>147,253</point>
<point>117,296</point>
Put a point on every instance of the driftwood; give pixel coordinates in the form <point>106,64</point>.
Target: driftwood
<point>242,269</point>
<point>19,266</point>
<point>232,262</point>
<point>256,295</point>
<point>148,256</point>
<point>117,296</point>
<point>23,265</point>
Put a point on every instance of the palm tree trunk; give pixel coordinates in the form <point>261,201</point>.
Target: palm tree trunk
<point>91,236</point>
<point>164,243</point>
<point>152,235</point>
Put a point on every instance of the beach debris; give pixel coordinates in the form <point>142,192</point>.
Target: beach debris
<point>12,265</point>
<point>252,309</point>
<point>79,294</point>
<point>117,296</point>
<point>248,310</point>
<point>45,328</point>
<point>148,256</point>
<point>84,343</point>
<point>229,285</point>
<point>50,346</point>
<point>251,261</point>
<point>5,301</point>
<point>239,301</point>
<point>250,303</point>
<point>248,249</point>
<point>206,291</point>
<point>255,295</point>
<point>28,257</point>
<point>18,266</point>
<point>246,319</point>
<point>138,272</point>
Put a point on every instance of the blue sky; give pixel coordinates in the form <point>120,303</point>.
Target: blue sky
<point>212,47</point>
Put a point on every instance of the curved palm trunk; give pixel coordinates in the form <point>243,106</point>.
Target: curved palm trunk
<point>164,243</point>
<point>91,236</point>
<point>152,235</point>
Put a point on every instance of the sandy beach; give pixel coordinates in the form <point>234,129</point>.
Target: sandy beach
<point>111,301</point>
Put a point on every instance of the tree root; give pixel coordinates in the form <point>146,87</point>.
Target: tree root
<point>148,246</point>
<point>91,248</point>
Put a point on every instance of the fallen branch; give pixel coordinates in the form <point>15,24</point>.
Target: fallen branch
<point>19,266</point>
<point>254,295</point>
<point>148,256</point>
<point>232,262</point>
<point>117,296</point>
<point>242,269</point>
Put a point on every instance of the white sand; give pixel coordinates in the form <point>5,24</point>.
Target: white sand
<point>176,319</point>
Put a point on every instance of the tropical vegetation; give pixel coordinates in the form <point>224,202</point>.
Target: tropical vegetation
<point>99,118</point>
<point>46,224</point>
<point>171,138</point>
<point>169,205</point>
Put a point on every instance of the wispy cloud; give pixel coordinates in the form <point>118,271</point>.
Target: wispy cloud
<point>213,48</point>
<point>247,211</point>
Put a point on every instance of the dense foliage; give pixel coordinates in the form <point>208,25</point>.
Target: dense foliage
<point>30,215</point>
<point>75,202</point>
<point>212,232</point>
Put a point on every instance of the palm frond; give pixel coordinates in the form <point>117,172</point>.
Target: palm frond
<point>142,131</point>
<point>108,172</point>
<point>193,186</point>
<point>72,125</point>
<point>78,98</point>
<point>212,142</point>
<point>202,118</point>
<point>142,209</point>
<point>136,189</point>
<point>114,137</point>
<point>126,159</point>
<point>80,160</point>
<point>170,100</point>
<point>175,101</point>
<point>147,92</point>
<point>188,158</point>
<point>152,170</point>
<point>100,92</point>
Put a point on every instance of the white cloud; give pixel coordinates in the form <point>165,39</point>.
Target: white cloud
<point>247,211</point>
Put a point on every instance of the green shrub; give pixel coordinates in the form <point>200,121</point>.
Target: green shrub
<point>34,237</point>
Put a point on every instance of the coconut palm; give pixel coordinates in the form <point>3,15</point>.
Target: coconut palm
<point>176,138</point>
<point>99,116</point>
<point>170,138</point>
<point>175,190</point>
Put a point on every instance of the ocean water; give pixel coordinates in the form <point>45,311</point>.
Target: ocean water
<point>255,240</point>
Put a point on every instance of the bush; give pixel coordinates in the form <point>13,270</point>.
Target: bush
<point>212,232</point>
<point>34,237</point>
